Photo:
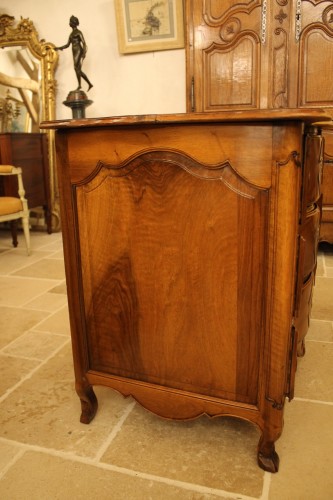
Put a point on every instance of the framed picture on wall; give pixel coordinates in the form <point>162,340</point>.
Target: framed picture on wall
<point>149,25</point>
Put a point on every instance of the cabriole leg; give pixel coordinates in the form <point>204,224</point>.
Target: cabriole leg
<point>268,459</point>
<point>89,402</point>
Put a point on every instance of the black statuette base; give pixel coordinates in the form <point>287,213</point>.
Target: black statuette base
<point>77,100</point>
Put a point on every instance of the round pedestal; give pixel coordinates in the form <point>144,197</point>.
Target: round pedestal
<point>77,100</point>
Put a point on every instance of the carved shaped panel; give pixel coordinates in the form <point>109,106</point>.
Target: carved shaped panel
<point>328,17</point>
<point>315,77</point>
<point>163,219</point>
<point>217,11</point>
<point>225,55</point>
<point>231,73</point>
<point>314,2</point>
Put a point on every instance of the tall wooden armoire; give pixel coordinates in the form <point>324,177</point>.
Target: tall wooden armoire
<point>263,54</point>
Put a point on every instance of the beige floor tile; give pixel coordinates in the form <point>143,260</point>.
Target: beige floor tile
<point>39,240</point>
<point>18,258</point>
<point>21,290</point>
<point>314,377</point>
<point>320,265</point>
<point>48,302</point>
<point>58,255</point>
<point>15,321</point>
<point>322,307</point>
<point>38,476</point>
<point>44,268</point>
<point>320,330</point>
<point>8,452</point>
<point>35,345</point>
<point>56,323</point>
<point>305,450</point>
<point>60,288</point>
<point>45,241</point>
<point>219,453</point>
<point>329,272</point>
<point>45,411</point>
<point>6,242</point>
<point>329,255</point>
<point>12,370</point>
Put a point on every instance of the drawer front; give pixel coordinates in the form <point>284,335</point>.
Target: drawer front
<point>308,243</point>
<point>326,229</point>
<point>309,237</point>
<point>327,214</point>
<point>328,139</point>
<point>313,162</point>
<point>327,182</point>
<point>302,317</point>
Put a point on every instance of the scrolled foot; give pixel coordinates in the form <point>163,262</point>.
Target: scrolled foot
<point>301,349</point>
<point>269,463</point>
<point>89,404</point>
<point>268,459</point>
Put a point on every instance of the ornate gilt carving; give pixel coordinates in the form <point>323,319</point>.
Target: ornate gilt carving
<point>24,34</point>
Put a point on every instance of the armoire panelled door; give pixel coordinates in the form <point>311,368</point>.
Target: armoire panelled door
<point>257,54</point>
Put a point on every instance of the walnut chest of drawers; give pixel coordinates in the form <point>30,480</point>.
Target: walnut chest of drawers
<point>190,251</point>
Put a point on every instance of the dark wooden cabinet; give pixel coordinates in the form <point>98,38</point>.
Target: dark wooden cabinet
<point>28,151</point>
<point>187,286</point>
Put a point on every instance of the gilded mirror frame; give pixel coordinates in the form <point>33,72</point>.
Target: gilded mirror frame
<point>24,34</point>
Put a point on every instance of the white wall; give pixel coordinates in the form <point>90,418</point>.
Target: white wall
<point>152,82</point>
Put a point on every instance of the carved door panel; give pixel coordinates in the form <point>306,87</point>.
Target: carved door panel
<point>224,58</point>
<point>259,54</point>
<point>141,288</point>
<point>315,86</point>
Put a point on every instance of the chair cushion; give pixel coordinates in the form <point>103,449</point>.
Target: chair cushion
<point>10,205</point>
<point>6,169</point>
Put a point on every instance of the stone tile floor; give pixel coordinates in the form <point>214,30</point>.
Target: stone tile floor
<point>127,453</point>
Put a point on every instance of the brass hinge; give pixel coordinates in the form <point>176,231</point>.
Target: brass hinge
<point>192,95</point>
